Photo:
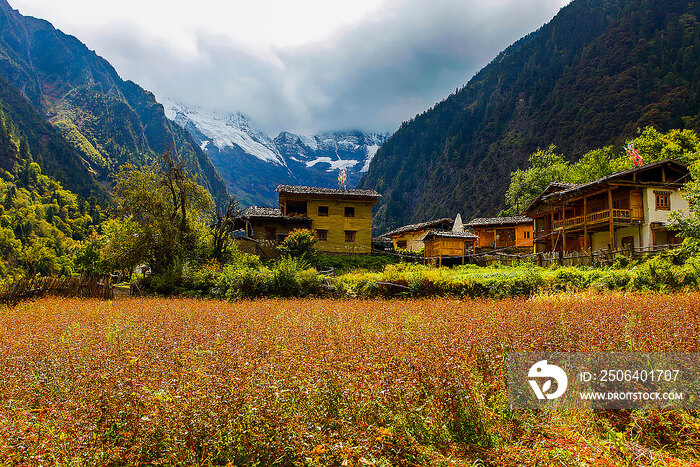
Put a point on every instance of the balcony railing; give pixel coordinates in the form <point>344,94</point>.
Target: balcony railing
<point>619,215</point>
<point>505,242</point>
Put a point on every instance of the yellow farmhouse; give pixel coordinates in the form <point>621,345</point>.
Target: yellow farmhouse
<point>341,218</point>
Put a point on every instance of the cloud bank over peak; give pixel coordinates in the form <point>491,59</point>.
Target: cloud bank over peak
<point>369,72</point>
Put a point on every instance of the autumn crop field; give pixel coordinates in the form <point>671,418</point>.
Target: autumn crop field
<point>323,382</point>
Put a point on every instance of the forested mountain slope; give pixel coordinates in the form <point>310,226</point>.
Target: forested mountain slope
<point>108,121</point>
<point>592,76</point>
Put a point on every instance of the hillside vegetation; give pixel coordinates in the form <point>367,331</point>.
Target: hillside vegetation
<point>594,75</point>
<point>106,121</point>
<point>42,224</point>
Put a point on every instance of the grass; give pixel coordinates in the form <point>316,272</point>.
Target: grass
<point>324,382</point>
<point>672,272</point>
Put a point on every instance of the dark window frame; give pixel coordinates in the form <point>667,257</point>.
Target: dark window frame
<point>662,200</point>
<point>349,211</point>
<point>321,213</point>
<point>350,236</point>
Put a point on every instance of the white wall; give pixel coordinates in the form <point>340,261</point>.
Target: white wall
<point>643,236</point>
<point>678,203</point>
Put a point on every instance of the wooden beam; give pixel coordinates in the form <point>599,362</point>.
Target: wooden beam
<point>585,222</point>
<point>593,193</point>
<point>640,184</point>
<point>552,230</point>
<point>610,219</point>
<point>563,225</point>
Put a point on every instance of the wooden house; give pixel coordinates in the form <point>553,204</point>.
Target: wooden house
<point>341,218</point>
<point>265,228</point>
<point>410,237</point>
<point>500,233</point>
<point>443,246</point>
<point>628,208</point>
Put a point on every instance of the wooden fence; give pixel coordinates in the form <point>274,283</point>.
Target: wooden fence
<point>586,258</point>
<point>84,287</point>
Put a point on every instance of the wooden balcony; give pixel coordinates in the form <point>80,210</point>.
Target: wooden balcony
<point>505,242</point>
<point>600,217</point>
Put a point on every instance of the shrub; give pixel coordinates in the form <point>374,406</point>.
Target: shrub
<point>571,277</point>
<point>300,243</point>
<point>612,280</point>
<point>236,282</point>
<point>202,280</point>
<point>240,259</point>
<point>283,280</point>
<point>621,261</point>
<point>345,263</point>
<point>656,274</point>
<point>289,277</point>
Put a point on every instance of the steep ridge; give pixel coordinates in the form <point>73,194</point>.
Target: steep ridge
<point>107,120</point>
<point>592,76</point>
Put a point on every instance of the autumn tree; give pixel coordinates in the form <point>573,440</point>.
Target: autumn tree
<point>222,227</point>
<point>169,207</point>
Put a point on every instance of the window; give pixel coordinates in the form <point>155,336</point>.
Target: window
<point>526,234</point>
<point>616,205</point>
<point>322,235</point>
<point>349,212</point>
<point>323,211</point>
<point>401,244</point>
<point>663,200</point>
<point>270,233</point>
<point>350,236</point>
<point>295,208</point>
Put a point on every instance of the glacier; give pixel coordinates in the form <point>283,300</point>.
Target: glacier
<point>253,164</point>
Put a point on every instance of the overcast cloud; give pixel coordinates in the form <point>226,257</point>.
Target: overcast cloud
<point>306,65</point>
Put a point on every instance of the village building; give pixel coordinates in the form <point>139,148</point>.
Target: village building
<point>443,246</point>
<point>410,237</point>
<point>503,233</point>
<point>626,209</point>
<point>340,218</point>
<point>265,228</point>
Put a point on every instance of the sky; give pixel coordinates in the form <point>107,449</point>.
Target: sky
<point>303,65</point>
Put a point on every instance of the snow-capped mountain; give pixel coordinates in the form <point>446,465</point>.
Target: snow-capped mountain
<point>317,159</point>
<point>253,164</point>
<point>225,131</point>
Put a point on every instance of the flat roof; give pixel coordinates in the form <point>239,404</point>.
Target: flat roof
<point>446,234</point>
<point>310,190</point>
<point>418,227</point>
<point>483,221</point>
<point>264,212</point>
